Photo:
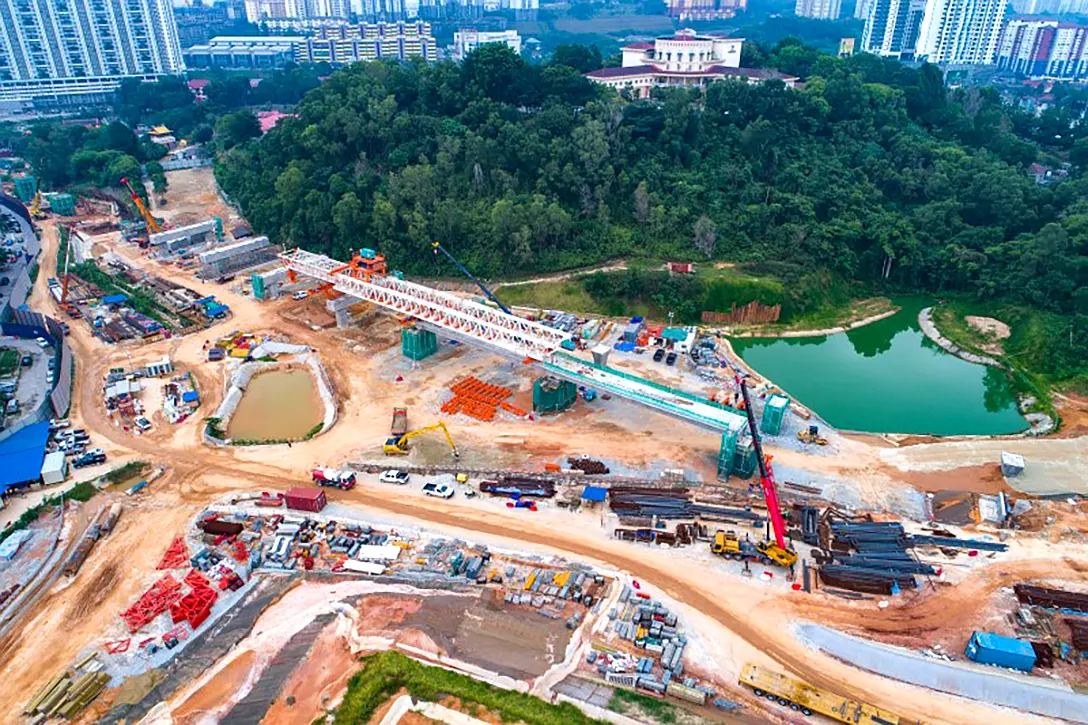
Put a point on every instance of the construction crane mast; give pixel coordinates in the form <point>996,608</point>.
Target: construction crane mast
<point>766,475</point>
<point>153,227</point>
<point>464,270</point>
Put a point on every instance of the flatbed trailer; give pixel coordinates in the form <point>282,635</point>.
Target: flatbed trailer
<point>807,699</point>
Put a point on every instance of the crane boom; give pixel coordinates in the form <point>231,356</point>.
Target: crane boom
<point>766,475</point>
<point>464,270</point>
<point>152,225</point>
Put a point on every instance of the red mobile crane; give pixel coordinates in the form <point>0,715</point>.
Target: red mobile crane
<point>775,551</point>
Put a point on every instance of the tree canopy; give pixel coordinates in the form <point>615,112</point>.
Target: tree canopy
<point>872,171</point>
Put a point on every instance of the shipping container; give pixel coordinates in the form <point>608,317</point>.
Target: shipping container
<point>215,527</point>
<point>305,499</point>
<point>994,649</point>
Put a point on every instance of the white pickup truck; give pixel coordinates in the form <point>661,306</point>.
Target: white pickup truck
<point>441,490</point>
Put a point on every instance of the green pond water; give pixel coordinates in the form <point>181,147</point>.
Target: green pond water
<point>887,377</point>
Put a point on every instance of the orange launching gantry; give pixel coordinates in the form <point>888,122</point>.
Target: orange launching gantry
<point>364,265</point>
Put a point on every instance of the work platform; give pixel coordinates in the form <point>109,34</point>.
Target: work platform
<point>511,335</point>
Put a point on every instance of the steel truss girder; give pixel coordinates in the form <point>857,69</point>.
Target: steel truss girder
<point>480,322</point>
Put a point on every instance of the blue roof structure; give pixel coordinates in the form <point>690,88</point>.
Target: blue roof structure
<point>594,493</point>
<point>118,299</point>
<point>21,456</point>
<point>190,396</point>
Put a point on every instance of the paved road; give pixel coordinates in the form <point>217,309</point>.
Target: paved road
<point>978,682</point>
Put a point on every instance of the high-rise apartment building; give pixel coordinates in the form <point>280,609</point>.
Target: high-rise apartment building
<point>1044,49</point>
<point>466,41</point>
<point>704,9</point>
<point>820,9</point>
<point>76,52</point>
<point>311,13</point>
<point>1050,7</point>
<point>961,32</point>
<point>892,27</point>
<point>368,41</point>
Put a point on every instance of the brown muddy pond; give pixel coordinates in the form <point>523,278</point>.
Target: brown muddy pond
<point>277,404</point>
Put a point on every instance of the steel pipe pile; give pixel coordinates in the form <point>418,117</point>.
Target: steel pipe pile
<point>958,543</point>
<point>1052,598</point>
<point>865,580</point>
<point>670,504</point>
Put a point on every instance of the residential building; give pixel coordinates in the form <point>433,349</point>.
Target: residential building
<point>820,9</point>
<point>306,11</point>
<point>704,9</point>
<point>892,26</point>
<point>1050,7</point>
<point>683,59</point>
<point>961,32</point>
<point>258,11</point>
<point>368,41</point>
<point>197,23</point>
<point>466,41</point>
<point>233,51</point>
<point>1044,49</point>
<point>861,9</point>
<point>70,53</point>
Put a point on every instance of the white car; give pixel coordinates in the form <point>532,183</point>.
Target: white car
<point>42,342</point>
<point>96,452</point>
<point>441,490</point>
<point>394,476</point>
<point>142,423</point>
<point>300,295</point>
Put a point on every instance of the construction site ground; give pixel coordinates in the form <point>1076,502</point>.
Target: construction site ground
<point>738,620</point>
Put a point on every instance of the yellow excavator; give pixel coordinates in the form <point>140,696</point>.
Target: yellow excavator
<point>398,445</point>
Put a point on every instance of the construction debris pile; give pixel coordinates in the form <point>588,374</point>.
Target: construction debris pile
<point>180,398</point>
<point>516,487</point>
<point>1038,620</point>
<point>644,649</point>
<point>69,691</point>
<point>480,400</point>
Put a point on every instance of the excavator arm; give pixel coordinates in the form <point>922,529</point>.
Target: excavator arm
<point>399,444</point>
<point>153,226</point>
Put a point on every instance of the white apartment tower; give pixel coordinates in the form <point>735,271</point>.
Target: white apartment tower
<point>961,32</point>
<point>72,52</point>
<point>891,27</point>
<point>820,9</point>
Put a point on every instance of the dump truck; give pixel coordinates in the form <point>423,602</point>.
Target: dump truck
<point>805,698</point>
<point>344,480</point>
<point>400,422</point>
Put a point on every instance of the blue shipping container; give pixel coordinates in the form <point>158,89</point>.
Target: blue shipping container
<point>994,649</point>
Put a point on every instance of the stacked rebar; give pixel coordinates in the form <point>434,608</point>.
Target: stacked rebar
<point>871,557</point>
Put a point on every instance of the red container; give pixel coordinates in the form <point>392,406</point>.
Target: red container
<point>305,499</point>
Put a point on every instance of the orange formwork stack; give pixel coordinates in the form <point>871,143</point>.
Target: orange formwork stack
<point>480,400</point>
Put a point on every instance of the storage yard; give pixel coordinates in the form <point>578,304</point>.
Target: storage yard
<point>594,524</point>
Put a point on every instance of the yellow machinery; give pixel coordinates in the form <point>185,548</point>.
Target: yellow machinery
<point>812,435</point>
<point>36,206</point>
<point>772,553</point>
<point>398,445</point>
<point>153,226</point>
<point>803,697</point>
<point>729,545</point>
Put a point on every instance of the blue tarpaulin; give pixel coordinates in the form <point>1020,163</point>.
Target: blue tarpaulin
<point>189,396</point>
<point>115,299</point>
<point>594,493</point>
<point>21,456</point>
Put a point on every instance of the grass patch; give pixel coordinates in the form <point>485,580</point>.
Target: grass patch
<point>82,492</point>
<point>33,273</point>
<point>1044,352</point>
<point>9,361</point>
<point>385,673</point>
<point>568,295</point>
<point>132,469</point>
<point>636,704</point>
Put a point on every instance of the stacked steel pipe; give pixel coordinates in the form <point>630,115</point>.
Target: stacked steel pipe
<point>675,503</point>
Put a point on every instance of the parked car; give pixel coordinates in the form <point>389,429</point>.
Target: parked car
<point>670,358</point>
<point>58,424</point>
<point>89,459</point>
<point>394,476</point>
<point>42,342</point>
<point>441,490</point>
<point>300,295</point>
<point>659,354</point>
<point>216,353</point>
<point>142,423</point>
<point>27,361</point>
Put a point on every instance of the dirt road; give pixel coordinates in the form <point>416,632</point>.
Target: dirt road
<point>365,377</point>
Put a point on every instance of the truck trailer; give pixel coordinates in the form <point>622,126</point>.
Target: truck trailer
<point>803,697</point>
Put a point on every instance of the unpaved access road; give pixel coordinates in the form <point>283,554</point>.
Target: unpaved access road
<point>752,616</point>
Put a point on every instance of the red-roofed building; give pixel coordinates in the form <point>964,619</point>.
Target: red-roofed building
<point>683,59</point>
<point>197,86</point>
<point>269,119</point>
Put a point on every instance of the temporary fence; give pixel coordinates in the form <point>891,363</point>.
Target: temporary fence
<point>749,314</point>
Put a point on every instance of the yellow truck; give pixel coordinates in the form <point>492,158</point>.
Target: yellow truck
<point>805,698</point>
